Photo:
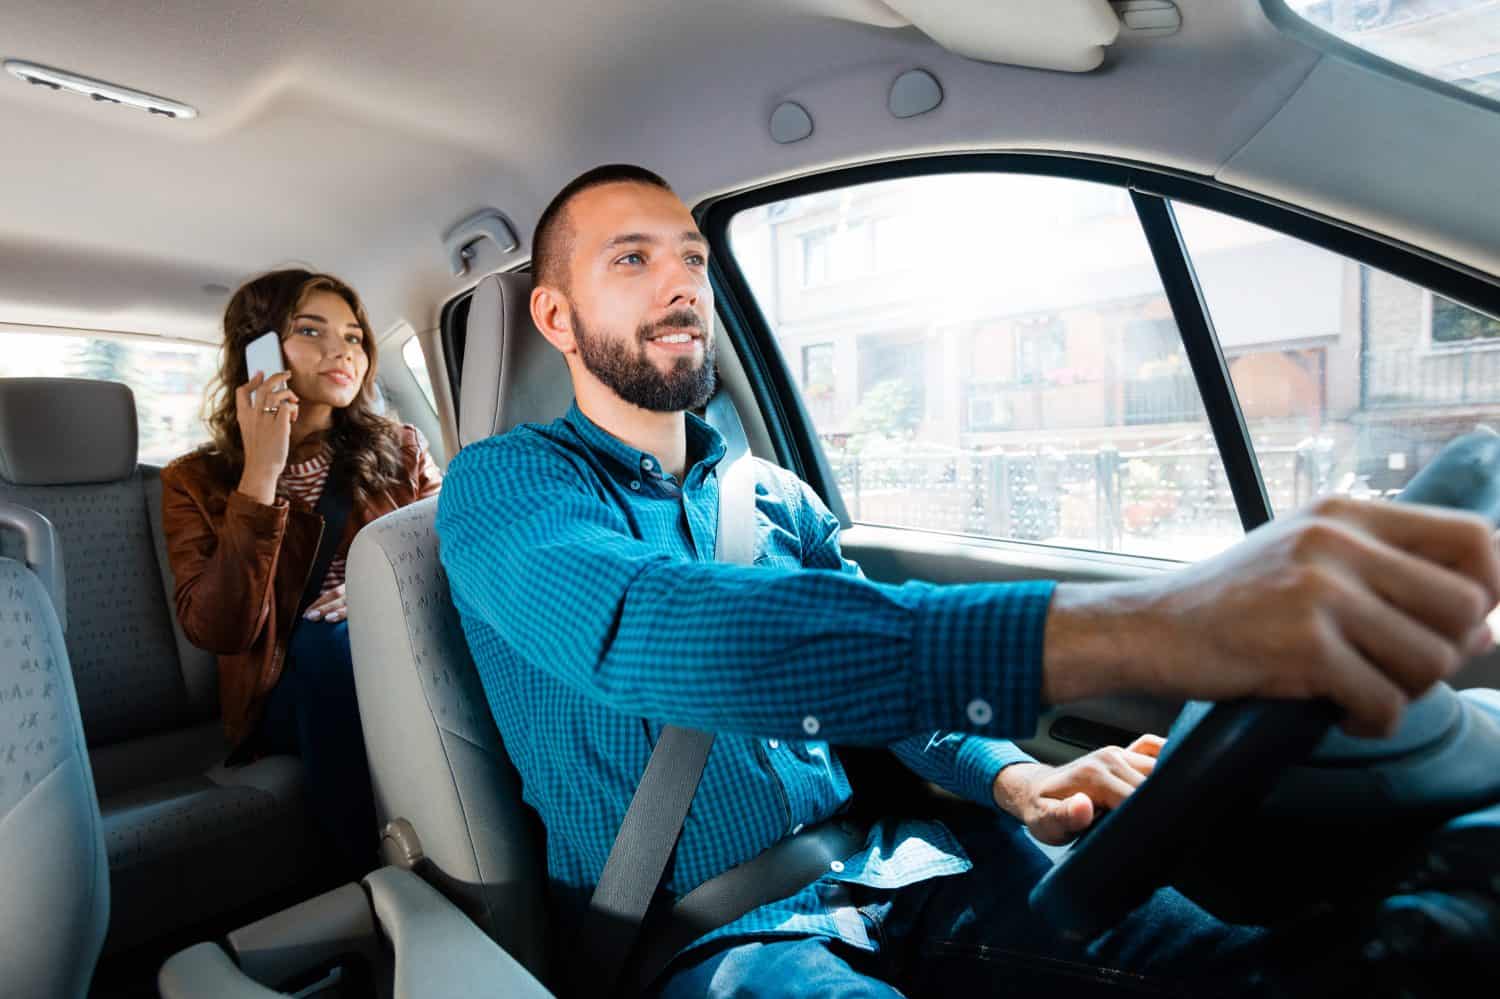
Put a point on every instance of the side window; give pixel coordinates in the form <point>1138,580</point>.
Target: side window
<point>1350,378</point>
<point>416,362</point>
<point>168,379</point>
<point>992,355</point>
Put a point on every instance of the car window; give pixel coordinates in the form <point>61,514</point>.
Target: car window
<point>991,355</point>
<point>166,377</point>
<point>1452,41</point>
<point>416,362</point>
<point>1350,378</point>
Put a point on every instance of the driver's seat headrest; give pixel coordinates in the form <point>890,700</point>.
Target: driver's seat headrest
<point>511,374</point>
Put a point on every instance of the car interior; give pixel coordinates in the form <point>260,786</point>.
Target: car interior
<point>1047,289</point>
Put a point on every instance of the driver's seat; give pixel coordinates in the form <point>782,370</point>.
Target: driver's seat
<point>436,759</point>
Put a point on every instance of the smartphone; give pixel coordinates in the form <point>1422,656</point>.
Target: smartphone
<point>263,354</point>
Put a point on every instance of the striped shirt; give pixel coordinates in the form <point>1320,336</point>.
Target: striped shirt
<point>304,481</point>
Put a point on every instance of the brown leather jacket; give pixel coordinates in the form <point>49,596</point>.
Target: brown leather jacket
<point>241,566</point>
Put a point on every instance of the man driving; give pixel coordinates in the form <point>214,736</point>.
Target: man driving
<point>580,555</point>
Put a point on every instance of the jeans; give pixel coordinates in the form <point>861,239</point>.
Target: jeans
<point>312,713</point>
<point>973,934</point>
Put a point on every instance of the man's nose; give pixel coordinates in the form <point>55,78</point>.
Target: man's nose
<point>682,286</point>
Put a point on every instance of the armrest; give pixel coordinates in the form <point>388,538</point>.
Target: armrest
<point>205,970</point>
<point>283,947</point>
<point>438,949</point>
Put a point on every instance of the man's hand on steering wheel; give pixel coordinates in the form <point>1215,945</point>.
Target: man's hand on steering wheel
<point>1367,604</point>
<point>1058,803</point>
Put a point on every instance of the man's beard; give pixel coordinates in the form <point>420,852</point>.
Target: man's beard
<point>625,367</point>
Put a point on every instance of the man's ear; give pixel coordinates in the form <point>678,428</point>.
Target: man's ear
<point>553,316</point>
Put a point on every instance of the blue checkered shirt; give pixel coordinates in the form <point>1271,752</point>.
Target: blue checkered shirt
<point>595,613</point>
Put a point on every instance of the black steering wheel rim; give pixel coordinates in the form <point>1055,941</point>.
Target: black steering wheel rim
<point>1231,759</point>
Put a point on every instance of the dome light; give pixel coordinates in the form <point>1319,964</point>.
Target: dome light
<point>98,90</point>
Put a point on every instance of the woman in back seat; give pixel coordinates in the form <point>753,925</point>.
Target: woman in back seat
<point>245,516</point>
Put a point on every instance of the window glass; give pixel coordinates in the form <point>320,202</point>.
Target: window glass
<point>1350,379</point>
<point>168,379</point>
<point>1455,41</point>
<point>416,361</point>
<point>991,355</point>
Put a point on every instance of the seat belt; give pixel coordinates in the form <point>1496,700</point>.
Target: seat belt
<point>653,823</point>
<point>333,505</point>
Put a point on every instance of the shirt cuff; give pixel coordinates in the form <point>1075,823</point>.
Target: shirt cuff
<point>979,762</point>
<point>977,653</point>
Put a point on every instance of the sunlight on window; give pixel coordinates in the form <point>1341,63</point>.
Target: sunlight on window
<point>168,379</point>
<point>416,362</point>
<point>992,355</point>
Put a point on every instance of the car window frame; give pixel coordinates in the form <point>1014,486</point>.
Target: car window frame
<point>1152,190</point>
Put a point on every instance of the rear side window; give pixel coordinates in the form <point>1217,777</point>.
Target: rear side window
<point>415,360</point>
<point>992,355</point>
<point>167,378</point>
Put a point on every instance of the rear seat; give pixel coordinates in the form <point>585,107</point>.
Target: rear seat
<point>186,838</point>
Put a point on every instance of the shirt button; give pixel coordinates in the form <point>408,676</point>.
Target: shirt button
<point>635,484</point>
<point>810,725</point>
<point>646,464</point>
<point>797,828</point>
<point>980,712</point>
<point>837,867</point>
<point>773,743</point>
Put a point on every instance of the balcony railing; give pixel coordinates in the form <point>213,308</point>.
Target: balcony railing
<point>1162,399</point>
<point>1454,376</point>
<point>1077,404</point>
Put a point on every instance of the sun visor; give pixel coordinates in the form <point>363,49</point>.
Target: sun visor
<point>1068,35</point>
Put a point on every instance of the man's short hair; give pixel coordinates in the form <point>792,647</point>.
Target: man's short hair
<point>552,242</point>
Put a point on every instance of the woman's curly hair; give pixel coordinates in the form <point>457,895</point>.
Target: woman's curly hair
<point>366,446</point>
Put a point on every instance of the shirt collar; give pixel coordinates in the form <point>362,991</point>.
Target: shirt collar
<point>705,445</point>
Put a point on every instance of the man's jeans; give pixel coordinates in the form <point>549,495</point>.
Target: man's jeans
<point>973,934</point>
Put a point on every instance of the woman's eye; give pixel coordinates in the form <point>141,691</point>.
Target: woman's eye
<point>308,331</point>
<point>355,339</point>
<point>696,260</point>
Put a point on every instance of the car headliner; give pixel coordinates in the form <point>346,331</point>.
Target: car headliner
<point>352,134</point>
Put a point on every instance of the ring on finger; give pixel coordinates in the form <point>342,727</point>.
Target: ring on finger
<point>270,409</point>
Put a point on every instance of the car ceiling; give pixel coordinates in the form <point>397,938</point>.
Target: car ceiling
<point>350,134</point>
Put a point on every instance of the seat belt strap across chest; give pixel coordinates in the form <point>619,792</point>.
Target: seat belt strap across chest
<point>653,822</point>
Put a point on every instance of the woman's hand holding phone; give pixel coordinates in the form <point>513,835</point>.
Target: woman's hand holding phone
<point>265,410</point>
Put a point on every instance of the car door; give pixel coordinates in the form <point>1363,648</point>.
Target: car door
<point>1006,367</point>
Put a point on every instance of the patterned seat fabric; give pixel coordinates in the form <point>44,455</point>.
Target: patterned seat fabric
<point>55,905</point>
<point>186,838</point>
<point>436,758</point>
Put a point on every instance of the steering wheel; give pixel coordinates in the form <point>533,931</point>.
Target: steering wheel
<point>1229,757</point>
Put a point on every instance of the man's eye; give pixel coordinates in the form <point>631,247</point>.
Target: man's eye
<point>632,258</point>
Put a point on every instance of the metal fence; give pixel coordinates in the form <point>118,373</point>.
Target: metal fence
<point>1150,501</point>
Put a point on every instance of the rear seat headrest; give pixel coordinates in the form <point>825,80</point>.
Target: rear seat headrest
<point>65,431</point>
<point>511,373</point>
